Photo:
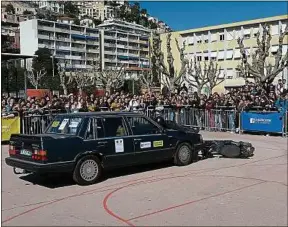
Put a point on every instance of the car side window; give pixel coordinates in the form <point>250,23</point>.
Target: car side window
<point>99,128</point>
<point>94,125</point>
<point>114,127</point>
<point>90,130</point>
<point>141,126</point>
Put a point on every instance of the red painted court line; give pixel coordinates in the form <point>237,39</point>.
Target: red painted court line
<point>139,179</point>
<point>190,202</point>
<point>127,221</point>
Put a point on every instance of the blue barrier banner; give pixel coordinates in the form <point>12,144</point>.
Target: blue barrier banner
<point>262,121</point>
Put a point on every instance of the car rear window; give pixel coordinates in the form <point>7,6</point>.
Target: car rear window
<point>65,125</point>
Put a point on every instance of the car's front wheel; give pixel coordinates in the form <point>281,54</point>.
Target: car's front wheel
<point>183,155</point>
<point>88,170</point>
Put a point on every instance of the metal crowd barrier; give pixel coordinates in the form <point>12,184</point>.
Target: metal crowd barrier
<point>36,122</point>
<point>210,120</point>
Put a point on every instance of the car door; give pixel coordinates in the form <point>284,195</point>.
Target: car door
<point>93,136</point>
<point>117,144</point>
<point>150,142</point>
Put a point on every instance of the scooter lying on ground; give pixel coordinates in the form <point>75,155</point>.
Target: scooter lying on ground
<point>225,148</point>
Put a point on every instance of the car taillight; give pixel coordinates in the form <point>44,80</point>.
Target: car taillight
<point>39,155</point>
<point>12,150</point>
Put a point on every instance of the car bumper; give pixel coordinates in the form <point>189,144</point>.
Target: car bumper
<point>199,146</point>
<point>40,167</point>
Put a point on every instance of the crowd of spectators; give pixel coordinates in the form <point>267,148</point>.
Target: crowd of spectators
<point>248,97</point>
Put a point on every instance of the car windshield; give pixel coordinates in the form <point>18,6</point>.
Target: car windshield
<point>65,125</point>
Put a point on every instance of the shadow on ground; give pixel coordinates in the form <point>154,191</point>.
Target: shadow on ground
<point>53,181</point>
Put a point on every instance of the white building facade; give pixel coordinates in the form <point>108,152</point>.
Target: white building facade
<point>75,47</point>
<point>111,45</point>
<point>125,44</point>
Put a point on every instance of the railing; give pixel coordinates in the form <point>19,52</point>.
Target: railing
<point>221,120</point>
<point>36,122</point>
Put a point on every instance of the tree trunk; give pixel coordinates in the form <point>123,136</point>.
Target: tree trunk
<point>80,91</point>
<point>64,90</point>
<point>199,89</point>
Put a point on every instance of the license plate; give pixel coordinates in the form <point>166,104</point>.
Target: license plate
<point>25,152</point>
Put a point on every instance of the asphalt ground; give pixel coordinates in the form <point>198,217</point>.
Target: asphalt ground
<point>211,192</point>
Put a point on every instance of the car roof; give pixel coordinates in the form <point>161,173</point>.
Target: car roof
<point>100,114</point>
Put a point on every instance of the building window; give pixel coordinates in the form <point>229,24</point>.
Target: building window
<point>199,58</point>
<point>206,58</point>
<point>247,36</point>
<point>222,37</point>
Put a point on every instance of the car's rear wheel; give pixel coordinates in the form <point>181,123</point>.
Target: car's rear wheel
<point>184,154</point>
<point>87,171</point>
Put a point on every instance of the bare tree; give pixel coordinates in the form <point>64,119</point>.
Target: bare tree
<point>35,77</point>
<point>213,75</point>
<point>82,78</point>
<point>196,77</point>
<point>261,70</point>
<point>170,77</point>
<point>146,80</point>
<point>112,79</point>
<point>64,80</point>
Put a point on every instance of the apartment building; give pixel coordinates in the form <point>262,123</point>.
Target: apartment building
<point>125,44</point>
<point>75,47</point>
<point>111,45</point>
<point>54,6</point>
<point>96,9</point>
<point>19,7</point>
<point>219,43</point>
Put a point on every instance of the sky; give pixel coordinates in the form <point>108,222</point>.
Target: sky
<point>187,15</point>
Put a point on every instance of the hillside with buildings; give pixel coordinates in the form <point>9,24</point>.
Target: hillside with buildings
<point>83,13</point>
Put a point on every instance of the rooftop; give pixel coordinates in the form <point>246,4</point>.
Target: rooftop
<point>234,24</point>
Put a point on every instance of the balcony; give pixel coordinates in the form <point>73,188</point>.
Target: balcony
<point>78,49</point>
<point>75,57</point>
<point>144,49</point>
<point>63,47</point>
<point>122,39</point>
<point>46,28</point>
<point>96,58</point>
<point>78,66</point>
<point>110,44</point>
<point>110,52</point>
<point>110,37</point>
<point>63,30</point>
<point>96,43</point>
<point>60,56</point>
<point>92,51</point>
<point>41,45</point>
<point>76,32</point>
<point>120,46</point>
<point>133,41</point>
<point>45,37</point>
<point>110,60</point>
<point>93,34</point>
<point>143,41</point>
<point>133,47</point>
<point>63,39</point>
<point>122,53</point>
<point>78,41</point>
<point>133,55</point>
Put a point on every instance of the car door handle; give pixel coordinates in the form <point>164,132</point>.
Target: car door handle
<point>137,139</point>
<point>102,143</point>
